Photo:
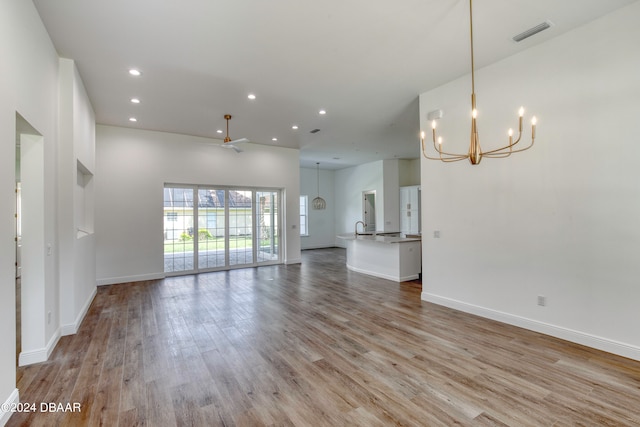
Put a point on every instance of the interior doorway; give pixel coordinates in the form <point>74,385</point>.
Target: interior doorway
<point>29,240</point>
<point>369,210</point>
<point>18,243</point>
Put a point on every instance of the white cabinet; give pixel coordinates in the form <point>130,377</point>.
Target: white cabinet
<point>410,209</point>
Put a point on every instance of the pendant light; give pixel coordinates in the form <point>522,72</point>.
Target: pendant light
<point>318,202</point>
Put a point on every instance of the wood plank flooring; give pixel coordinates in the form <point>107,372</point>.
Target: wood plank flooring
<point>315,345</point>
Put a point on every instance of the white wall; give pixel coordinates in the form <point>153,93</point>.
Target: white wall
<point>132,167</point>
<point>349,185</point>
<point>560,220</point>
<point>321,226</point>
<point>382,176</point>
<point>391,195</point>
<point>76,160</point>
<point>28,84</point>
<point>409,172</point>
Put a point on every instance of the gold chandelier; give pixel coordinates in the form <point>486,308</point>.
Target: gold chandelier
<point>475,153</point>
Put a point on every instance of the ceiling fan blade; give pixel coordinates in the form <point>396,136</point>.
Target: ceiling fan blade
<point>239,141</point>
<point>230,145</point>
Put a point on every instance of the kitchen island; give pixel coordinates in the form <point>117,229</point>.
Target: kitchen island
<point>392,256</point>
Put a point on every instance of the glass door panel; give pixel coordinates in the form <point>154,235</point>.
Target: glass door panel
<point>178,230</point>
<point>267,226</point>
<point>240,215</point>
<point>211,228</point>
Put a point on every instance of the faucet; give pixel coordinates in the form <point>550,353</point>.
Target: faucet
<point>364,227</point>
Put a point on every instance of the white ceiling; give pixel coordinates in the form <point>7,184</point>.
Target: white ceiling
<point>364,61</point>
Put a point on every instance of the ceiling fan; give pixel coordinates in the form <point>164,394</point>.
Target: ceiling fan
<point>228,143</point>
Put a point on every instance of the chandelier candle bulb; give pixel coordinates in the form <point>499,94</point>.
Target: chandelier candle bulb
<point>533,127</point>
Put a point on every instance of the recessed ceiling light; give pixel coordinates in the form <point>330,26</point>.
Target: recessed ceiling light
<point>135,101</point>
<point>322,112</point>
<point>135,72</point>
<point>251,96</point>
<point>219,131</point>
<point>133,119</point>
<point>274,139</point>
<point>294,127</point>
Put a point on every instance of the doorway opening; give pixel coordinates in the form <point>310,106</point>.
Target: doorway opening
<point>18,242</point>
<point>369,210</point>
<point>29,236</point>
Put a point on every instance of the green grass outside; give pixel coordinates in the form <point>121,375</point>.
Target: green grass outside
<point>210,244</point>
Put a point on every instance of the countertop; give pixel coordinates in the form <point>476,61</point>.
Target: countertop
<point>381,237</point>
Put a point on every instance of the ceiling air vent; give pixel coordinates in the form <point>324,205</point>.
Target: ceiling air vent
<point>315,131</point>
<point>531,31</point>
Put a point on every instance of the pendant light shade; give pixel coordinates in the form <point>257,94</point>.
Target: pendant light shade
<point>318,203</point>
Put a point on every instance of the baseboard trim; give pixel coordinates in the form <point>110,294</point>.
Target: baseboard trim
<point>293,261</point>
<point>328,246</point>
<point>12,400</point>
<point>593,341</point>
<point>382,275</point>
<point>41,354</point>
<point>71,329</point>
<point>127,279</point>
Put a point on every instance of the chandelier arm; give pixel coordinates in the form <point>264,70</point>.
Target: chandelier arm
<point>464,156</point>
<point>439,149</point>
<point>498,150</point>
<point>424,152</point>
<point>449,157</point>
<point>525,148</point>
<point>510,147</point>
<point>445,158</point>
<point>496,154</point>
<point>453,159</point>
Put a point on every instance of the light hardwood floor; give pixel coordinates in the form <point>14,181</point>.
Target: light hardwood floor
<point>315,345</point>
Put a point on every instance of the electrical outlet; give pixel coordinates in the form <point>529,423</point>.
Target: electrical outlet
<point>542,300</point>
<point>436,234</point>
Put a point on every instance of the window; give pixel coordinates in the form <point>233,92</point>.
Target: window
<point>304,216</point>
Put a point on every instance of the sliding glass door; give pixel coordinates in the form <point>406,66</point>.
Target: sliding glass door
<point>178,230</point>
<point>267,212</point>
<point>225,228</point>
<point>212,234</point>
<point>241,227</point>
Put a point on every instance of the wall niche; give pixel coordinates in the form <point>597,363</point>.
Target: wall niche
<point>83,201</point>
